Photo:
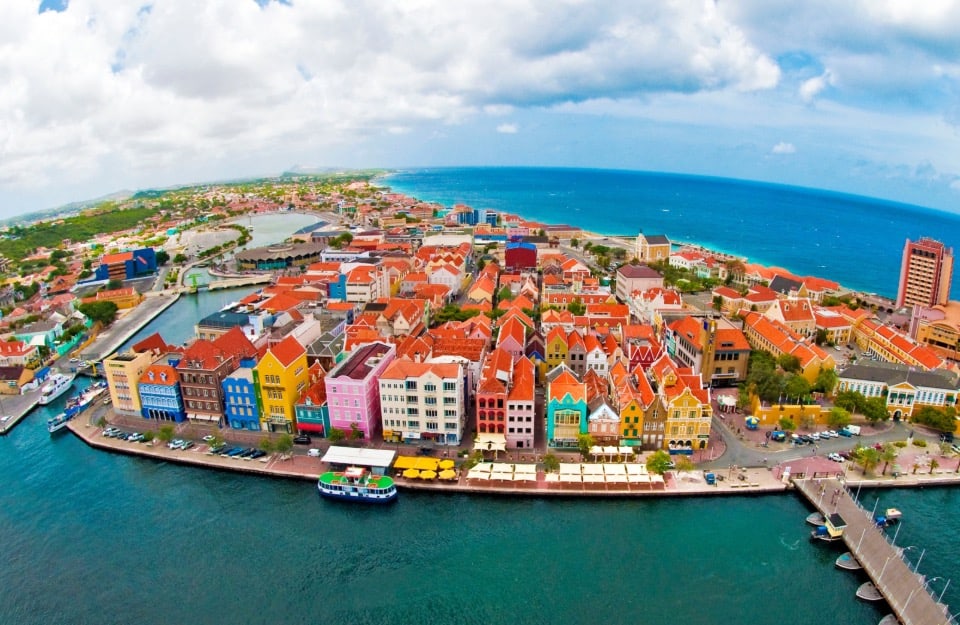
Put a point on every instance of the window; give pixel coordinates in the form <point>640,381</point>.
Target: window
<point>430,388</point>
<point>411,385</point>
<point>449,386</point>
<point>432,425</point>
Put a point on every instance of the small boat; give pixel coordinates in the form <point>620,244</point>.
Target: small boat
<point>53,388</point>
<point>868,592</point>
<point>893,515</point>
<point>831,530</point>
<point>847,562</point>
<point>58,422</point>
<point>890,619</point>
<point>816,519</point>
<point>357,484</point>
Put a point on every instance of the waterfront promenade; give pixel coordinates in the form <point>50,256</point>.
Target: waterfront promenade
<point>13,409</point>
<point>126,326</point>
<point>904,590</point>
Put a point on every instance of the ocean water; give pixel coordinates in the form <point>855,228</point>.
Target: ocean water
<point>854,240</point>
<point>92,537</point>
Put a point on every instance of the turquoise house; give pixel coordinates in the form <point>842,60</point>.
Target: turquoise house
<point>566,400</point>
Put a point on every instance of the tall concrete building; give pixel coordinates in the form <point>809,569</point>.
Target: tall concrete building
<point>925,274</point>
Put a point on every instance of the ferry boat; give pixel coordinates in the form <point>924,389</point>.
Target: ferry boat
<point>53,388</point>
<point>58,422</point>
<point>357,484</point>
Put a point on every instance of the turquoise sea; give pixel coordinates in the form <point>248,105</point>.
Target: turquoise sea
<point>91,537</point>
<point>854,240</point>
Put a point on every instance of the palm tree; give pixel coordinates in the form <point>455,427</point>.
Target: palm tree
<point>934,464</point>
<point>888,455</point>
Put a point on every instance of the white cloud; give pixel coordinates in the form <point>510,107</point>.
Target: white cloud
<point>507,129</point>
<point>812,87</point>
<point>784,148</point>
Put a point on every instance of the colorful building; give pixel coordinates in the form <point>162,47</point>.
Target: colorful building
<point>280,378</point>
<point>353,394</point>
<point>127,265</point>
<point>160,398</point>
<point>123,373</point>
<point>241,411</point>
<point>422,401</point>
<point>566,400</point>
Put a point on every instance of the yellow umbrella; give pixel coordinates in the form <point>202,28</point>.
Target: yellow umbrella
<point>411,473</point>
<point>446,464</point>
<point>448,474</point>
<point>428,475</point>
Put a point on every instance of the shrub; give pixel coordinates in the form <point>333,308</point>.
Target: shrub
<point>919,442</point>
<point>900,444</point>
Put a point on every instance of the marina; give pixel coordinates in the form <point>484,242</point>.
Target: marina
<point>891,576</point>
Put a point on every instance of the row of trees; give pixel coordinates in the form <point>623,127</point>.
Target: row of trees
<point>779,380</point>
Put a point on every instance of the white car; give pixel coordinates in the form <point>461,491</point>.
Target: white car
<point>315,453</point>
<point>835,456</point>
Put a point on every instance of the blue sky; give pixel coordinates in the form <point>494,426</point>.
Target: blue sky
<point>861,96</point>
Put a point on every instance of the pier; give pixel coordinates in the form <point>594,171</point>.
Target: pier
<point>903,589</point>
<point>233,283</point>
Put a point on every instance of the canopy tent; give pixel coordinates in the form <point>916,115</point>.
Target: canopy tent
<point>428,475</point>
<point>446,464</point>
<point>591,469</point>
<point>550,478</point>
<point>480,472</point>
<point>616,478</point>
<point>571,477</point>
<point>490,442</point>
<point>448,474</point>
<point>626,451</point>
<point>752,423</point>
<point>638,479</point>
<point>614,469</point>
<point>636,469</point>
<point>359,457</point>
<point>570,469</point>
<point>593,478</point>
<point>426,464</point>
<point>405,462</point>
<point>503,472</point>
<point>411,473</point>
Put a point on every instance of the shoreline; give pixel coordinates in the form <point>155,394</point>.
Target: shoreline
<point>757,481</point>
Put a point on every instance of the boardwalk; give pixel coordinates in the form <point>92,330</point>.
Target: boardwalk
<point>900,586</point>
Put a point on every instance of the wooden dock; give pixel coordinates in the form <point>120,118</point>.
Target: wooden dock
<point>902,588</point>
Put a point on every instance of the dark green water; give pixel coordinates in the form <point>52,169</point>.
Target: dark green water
<point>92,537</point>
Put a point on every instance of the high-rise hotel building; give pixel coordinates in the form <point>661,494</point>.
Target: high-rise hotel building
<point>925,274</point>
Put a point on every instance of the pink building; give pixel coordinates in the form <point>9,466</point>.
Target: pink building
<point>353,392</point>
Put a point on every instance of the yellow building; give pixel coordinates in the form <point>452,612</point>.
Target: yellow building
<point>556,348</point>
<point>123,373</point>
<point>687,407</point>
<point>280,378</point>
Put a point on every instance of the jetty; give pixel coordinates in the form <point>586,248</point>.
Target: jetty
<point>902,588</point>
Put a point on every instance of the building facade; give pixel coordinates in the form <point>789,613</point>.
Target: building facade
<point>240,401</point>
<point>353,394</point>
<point>925,273</point>
<point>123,373</point>
<point>424,401</point>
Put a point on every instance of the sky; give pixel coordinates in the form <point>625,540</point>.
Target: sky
<point>859,96</point>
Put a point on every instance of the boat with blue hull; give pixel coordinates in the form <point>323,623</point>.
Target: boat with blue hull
<point>357,484</point>
<point>75,405</point>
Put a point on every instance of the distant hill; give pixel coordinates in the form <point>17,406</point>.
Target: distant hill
<point>67,210</point>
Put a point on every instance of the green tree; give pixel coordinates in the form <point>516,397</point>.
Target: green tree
<point>163,257</point>
<point>336,435</point>
<point>797,386</point>
<point>659,462</point>
<point>868,458</point>
<point>576,307</point>
<point>102,422</point>
<point>787,424</point>
<point>826,381</point>
<point>180,258</point>
<point>113,284</point>
<point>584,443</point>
<point>148,436</point>
<point>356,433</point>
<point>934,465</point>
<point>284,444</point>
<point>165,433</point>
<point>551,463</point>
<point>875,409</point>
<point>717,302</point>
<point>935,418</point>
<point>838,418</point>
<point>684,463</point>
<point>105,312</point>
<point>789,363</point>
<point>266,445</point>
<point>504,294</point>
<point>807,421</point>
<point>574,242</point>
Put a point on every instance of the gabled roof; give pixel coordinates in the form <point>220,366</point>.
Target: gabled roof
<point>154,343</point>
<point>287,351</point>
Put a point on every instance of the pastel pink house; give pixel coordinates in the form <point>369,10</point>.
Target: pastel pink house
<point>353,391</point>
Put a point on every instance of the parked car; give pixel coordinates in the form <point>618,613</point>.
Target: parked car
<point>208,438</point>
<point>315,453</point>
<point>246,453</point>
<point>232,452</point>
<point>186,445</point>
<point>136,437</point>
<point>846,455</point>
<point>844,432</point>
<point>258,454</point>
<point>835,457</point>
<point>175,443</point>
<point>778,435</point>
<point>814,437</point>
<point>302,439</point>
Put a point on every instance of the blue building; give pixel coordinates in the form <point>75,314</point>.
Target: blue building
<point>160,398</point>
<point>240,399</point>
<point>127,265</point>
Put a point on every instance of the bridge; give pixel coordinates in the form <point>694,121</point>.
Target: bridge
<point>232,283</point>
<point>904,590</point>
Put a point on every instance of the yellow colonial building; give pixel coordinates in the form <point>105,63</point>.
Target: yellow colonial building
<point>280,378</point>
<point>686,404</point>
